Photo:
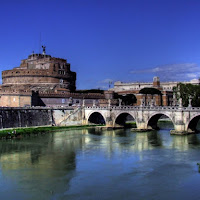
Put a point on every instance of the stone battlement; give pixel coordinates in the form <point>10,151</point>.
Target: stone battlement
<point>73,95</point>
<point>33,72</point>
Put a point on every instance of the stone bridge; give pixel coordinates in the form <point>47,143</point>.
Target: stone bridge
<point>184,119</point>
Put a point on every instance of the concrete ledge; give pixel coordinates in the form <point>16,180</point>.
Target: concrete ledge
<point>174,132</point>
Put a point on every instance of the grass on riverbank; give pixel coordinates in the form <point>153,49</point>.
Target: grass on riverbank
<point>130,125</point>
<point>133,124</point>
<point>16,132</point>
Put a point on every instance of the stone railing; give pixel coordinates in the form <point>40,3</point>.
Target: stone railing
<point>128,108</point>
<point>169,108</point>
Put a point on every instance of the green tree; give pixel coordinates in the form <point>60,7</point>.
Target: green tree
<point>186,91</point>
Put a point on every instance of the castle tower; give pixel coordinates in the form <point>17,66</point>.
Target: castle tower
<point>39,73</point>
<point>156,82</point>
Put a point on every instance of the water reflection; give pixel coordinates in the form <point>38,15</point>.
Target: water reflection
<point>39,162</point>
<point>86,163</point>
<point>136,141</point>
<point>154,139</point>
<point>183,143</point>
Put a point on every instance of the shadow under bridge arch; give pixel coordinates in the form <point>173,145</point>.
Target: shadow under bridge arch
<point>125,120</point>
<point>194,124</point>
<point>160,121</point>
<point>96,118</point>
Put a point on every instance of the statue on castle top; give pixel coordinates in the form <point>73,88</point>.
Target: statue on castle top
<point>44,50</point>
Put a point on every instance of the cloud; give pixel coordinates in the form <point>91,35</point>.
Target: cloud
<point>173,72</point>
<point>104,84</point>
<point>106,81</point>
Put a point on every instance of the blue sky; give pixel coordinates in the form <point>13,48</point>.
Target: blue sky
<point>106,40</point>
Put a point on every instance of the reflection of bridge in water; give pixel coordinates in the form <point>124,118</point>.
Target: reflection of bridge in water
<point>184,119</point>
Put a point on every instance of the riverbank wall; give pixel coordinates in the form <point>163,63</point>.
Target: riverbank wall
<point>39,116</point>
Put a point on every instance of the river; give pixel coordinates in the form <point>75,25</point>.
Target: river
<point>89,165</point>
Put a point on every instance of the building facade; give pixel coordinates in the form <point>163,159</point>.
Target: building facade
<point>166,89</point>
<point>137,86</point>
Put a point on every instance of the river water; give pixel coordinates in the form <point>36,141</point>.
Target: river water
<point>88,165</point>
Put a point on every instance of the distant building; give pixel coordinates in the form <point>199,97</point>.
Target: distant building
<point>137,86</point>
<point>166,89</point>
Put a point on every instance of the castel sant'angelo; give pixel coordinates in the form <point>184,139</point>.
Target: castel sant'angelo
<point>43,80</point>
<point>40,72</point>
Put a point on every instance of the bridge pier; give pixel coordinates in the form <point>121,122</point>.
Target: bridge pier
<point>179,124</point>
<point>109,122</point>
<point>180,129</point>
<point>142,126</point>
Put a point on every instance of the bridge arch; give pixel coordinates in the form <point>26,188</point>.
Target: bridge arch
<point>96,118</point>
<point>191,126</point>
<point>121,119</point>
<point>152,122</point>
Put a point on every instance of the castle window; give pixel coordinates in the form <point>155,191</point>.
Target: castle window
<point>61,81</point>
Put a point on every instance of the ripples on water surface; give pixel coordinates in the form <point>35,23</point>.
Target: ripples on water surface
<point>89,164</point>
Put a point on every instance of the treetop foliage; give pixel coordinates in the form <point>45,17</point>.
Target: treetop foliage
<point>186,91</point>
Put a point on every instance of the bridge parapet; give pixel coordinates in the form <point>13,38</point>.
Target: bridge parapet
<point>151,108</point>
